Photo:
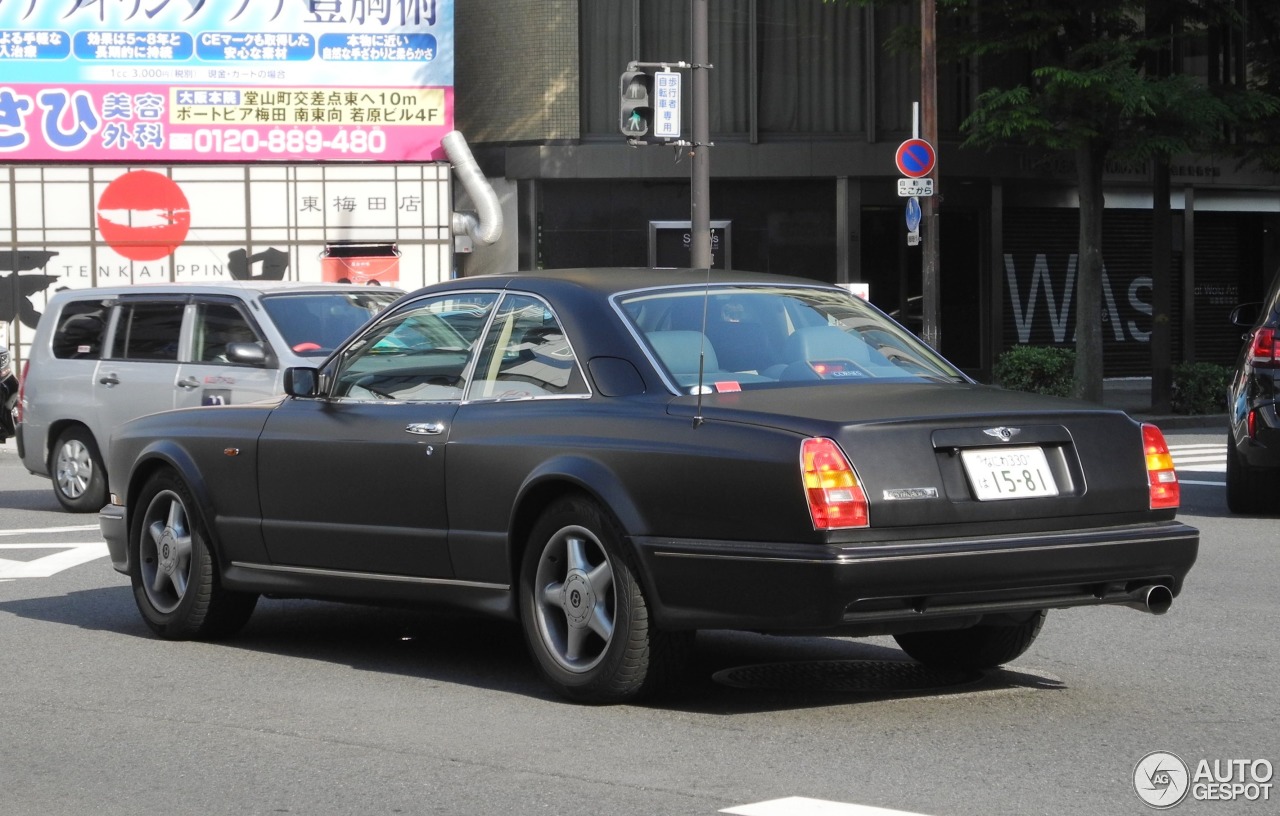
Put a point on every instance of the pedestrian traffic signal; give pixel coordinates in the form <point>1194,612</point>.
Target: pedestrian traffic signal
<point>637,106</point>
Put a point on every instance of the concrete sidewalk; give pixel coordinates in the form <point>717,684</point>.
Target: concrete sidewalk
<point>1133,396</point>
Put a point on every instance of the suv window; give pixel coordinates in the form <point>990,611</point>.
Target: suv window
<point>217,325</point>
<point>315,323</point>
<point>148,331</point>
<point>80,329</point>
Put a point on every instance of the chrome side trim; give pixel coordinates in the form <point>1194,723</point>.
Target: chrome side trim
<point>367,576</point>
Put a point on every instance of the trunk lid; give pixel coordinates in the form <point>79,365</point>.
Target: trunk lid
<point>937,454</point>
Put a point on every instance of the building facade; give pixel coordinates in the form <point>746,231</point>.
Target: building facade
<point>221,141</point>
<point>808,105</point>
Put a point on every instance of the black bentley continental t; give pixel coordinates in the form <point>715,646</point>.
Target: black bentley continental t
<point>615,459</point>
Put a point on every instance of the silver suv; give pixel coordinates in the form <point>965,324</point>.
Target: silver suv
<point>103,356</point>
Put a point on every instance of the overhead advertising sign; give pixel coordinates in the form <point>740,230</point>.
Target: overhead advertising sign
<point>225,80</point>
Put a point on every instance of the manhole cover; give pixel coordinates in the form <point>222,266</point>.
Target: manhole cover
<point>846,675</point>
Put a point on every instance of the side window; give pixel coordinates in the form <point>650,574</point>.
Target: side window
<point>217,326</point>
<point>526,354</point>
<point>148,331</point>
<point>80,330</point>
<point>419,354</point>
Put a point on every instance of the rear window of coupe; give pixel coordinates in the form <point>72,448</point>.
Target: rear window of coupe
<point>770,336</point>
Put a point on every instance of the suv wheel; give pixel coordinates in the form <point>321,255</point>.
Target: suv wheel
<point>79,478</point>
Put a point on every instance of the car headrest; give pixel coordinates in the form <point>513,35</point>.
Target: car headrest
<point>680,350</point>
<point>826,343</point>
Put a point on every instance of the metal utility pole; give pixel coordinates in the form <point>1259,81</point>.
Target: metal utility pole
<point>700,181</point>
<point>930,239</point>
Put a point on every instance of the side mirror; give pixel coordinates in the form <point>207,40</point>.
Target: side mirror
<point>1246,314</point>
<point>246,353</point>
<point>302,382</point>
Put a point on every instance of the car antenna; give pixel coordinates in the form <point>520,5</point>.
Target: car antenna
<point>702,349</point>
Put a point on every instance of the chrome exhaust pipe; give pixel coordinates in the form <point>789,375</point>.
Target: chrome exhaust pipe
<point>1155,599</point>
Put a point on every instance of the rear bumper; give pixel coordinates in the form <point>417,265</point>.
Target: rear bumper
<point>883,588</point>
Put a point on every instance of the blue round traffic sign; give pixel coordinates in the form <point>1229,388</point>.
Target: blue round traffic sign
<point>915,158</point>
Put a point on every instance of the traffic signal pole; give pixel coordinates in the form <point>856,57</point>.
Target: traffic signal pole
<point>638,116</point>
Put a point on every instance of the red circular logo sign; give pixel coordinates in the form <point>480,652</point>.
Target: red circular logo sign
<point>915,158</point>
<point>143,215</point>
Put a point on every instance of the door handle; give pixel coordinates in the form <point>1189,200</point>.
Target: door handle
<point>189,383</point>
<point>108,379</point>
<point>425,428</point>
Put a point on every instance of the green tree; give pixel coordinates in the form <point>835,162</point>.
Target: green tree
<point>1095,88</point>
<point>1098,79</point>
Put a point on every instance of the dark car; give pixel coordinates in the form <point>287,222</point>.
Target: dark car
<point>1253,442</point>
<point>617,458</point>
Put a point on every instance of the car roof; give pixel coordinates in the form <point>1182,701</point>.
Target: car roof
<point>253,287</point>
<point>606,281</point>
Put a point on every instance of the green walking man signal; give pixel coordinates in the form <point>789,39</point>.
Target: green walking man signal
<point>636,114</point>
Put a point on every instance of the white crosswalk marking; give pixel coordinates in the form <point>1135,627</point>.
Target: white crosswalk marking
<point>801,806</point>
<point>1210,458</point>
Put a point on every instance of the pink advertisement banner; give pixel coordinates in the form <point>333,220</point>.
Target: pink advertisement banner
<point>235,123</point>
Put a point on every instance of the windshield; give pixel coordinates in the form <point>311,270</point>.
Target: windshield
<point>315,323</point>
<point>749,337</point>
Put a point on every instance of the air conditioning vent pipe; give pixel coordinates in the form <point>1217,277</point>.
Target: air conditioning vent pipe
<point>484,225</point>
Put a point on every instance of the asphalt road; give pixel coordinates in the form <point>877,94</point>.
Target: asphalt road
<point>330,709</point>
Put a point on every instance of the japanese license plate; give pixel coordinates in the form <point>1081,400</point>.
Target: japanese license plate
<point>1008,473</point>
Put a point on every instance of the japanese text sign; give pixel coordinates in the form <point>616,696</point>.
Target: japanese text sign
<point>225,80</point>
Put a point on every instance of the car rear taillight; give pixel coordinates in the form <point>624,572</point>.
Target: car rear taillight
<point>22,392</point>
<point>1161,477</point>
<point>836,500</point>
<point>1262,349</point>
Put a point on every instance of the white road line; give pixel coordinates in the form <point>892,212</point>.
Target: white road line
<point>800,806</point>
<point>37,530</point>
<point>68,556</point>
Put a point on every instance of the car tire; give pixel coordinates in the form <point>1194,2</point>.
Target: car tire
<point>979,647</point>
<point>1249,490</point>
<point>584,612</point>
<point>79,477</point>
<point>172,568</point>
